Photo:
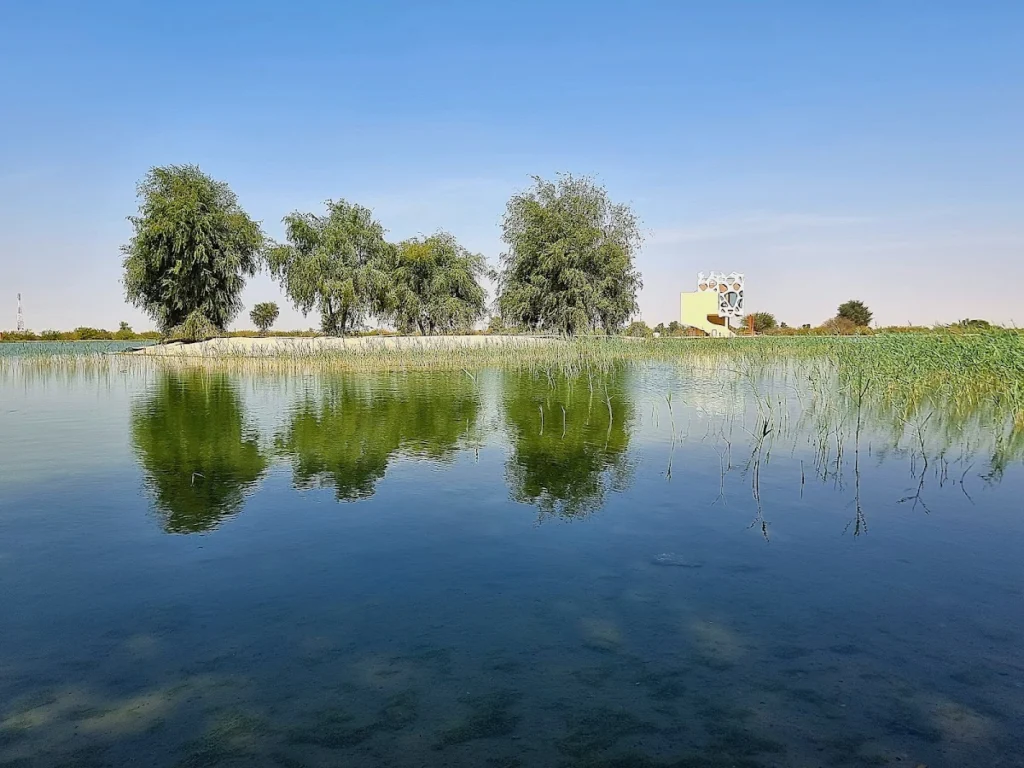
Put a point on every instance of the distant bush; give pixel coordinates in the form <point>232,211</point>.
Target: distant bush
<point>907,329</point>
<point>497,326</point>
<point>855,311</point>
<point>968,324</point>
<point>842,326</point>
<point>639,329</point>
<point>197,327</point>
<point>264,315</point>
<point>763,322</point>
<point>84,333</point>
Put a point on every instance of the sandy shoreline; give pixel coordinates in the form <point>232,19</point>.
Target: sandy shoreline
<point>293,346</point>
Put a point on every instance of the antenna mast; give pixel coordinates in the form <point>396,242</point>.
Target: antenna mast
<point>21,316</point>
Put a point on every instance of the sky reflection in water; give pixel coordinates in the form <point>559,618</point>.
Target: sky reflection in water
<point>655,566</point>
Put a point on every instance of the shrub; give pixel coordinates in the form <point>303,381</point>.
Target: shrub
<point>639,329</point>
<point>84,333</point>
<point>197,327</point>
<point>840,326</point>
<point>855,311</point>
<point>763,321</point>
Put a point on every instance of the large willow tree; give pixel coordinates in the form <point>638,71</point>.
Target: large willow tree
<point>570,261</point>
<point>192,250</point>
<point>436,286</point>
<point>338,264</point>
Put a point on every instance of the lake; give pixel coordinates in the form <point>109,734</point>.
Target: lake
<point>657,565</point>
<point>10,349</point>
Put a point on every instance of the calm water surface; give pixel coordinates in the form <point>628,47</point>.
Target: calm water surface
<point>654,567</point>
<point>11,349</point>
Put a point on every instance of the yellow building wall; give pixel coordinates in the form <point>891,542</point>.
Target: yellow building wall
<point>699,309</point>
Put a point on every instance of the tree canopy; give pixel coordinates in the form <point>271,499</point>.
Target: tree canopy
<point>855,311</point>
<point>763,321</point>
<point>338,263</point>
<point>436,286</point>
<point>192,250</point>
<point>570,260</point>
<point>264,315</point>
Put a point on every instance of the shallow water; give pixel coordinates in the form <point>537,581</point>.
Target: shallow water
<point>11,349</point>
<point>658,566</point>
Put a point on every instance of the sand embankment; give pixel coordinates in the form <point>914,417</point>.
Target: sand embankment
<point>293,346</point>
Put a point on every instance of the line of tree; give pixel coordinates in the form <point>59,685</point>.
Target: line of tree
<point>82,333</point>
<point>569,266</point>
<point>852,317</point>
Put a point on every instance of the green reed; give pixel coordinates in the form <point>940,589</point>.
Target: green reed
<point>908,373</point>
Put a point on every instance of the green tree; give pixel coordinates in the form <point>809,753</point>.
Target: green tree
<point>496,325</point>
<point>436,285</point>
<point>192,250</point>
<point>124,332</point>
<point>639,329</point>
<point>198,455</point>
<point>570,261</point>
<point>344,435</point>
<point>675,328</point>
<point>763,321</point>
<point>855,311</point>
<point>570,440</point>
<point>84,333</point>
<point>660,329</point>
<point>338,264</point>
<point>264,315</point>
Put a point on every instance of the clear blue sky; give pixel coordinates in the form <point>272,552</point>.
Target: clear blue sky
<point>829,150</point>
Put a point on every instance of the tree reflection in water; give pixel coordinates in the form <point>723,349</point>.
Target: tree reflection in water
<point>570,439</point>
<point>199,456</point>
<point>345,430</point>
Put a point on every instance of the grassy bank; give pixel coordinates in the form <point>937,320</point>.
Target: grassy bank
<point>909,371</point>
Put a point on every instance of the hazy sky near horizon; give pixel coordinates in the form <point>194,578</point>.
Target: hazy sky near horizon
<point>828,150</point>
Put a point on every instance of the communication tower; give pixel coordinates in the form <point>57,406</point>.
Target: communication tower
<point>21,316</point>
